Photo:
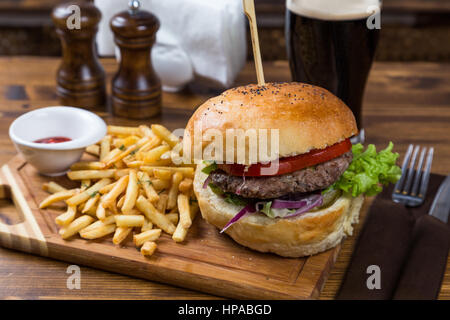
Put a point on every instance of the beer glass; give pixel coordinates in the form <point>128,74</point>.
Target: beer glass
<point>331,44</point>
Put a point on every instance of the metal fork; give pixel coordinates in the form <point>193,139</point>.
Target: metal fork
<point>406,189</point>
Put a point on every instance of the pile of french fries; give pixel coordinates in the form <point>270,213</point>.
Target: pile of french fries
<point>134,187</point>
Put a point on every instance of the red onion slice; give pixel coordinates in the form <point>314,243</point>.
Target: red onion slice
<point>313,202</point>
<point>205,184</point>
<point>289,204</point>
<point>250,208</point>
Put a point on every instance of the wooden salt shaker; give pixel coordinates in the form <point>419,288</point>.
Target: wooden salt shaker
<point>80,77</point>
<point>136,89</point>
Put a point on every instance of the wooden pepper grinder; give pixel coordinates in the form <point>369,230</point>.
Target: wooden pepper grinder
<point>80,78</point>
<point>136,89</point>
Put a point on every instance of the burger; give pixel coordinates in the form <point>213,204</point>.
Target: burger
<point>303,196</point>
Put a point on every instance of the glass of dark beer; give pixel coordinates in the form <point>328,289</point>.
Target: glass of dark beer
<point>331,44</point>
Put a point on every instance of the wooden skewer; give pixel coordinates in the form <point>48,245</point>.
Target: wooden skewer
<point>249,9</point>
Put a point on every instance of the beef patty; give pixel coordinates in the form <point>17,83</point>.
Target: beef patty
<point>305,180</point>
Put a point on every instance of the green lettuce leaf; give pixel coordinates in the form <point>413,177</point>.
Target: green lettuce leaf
<point>228,196</point>
<point>274,213</point>
<point>215,189</point>
<point>211,166</point>
<point>235,199</point>
<point>267,210</point>
<point>369,171</point>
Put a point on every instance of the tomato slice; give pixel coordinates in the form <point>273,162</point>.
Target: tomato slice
<point>290,164</point>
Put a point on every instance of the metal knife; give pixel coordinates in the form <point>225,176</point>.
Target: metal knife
<point>440,208</point>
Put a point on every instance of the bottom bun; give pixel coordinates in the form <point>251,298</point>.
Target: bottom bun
<point>304,235</point>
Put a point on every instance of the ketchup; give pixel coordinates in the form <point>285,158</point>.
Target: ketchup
<point>53,140</point>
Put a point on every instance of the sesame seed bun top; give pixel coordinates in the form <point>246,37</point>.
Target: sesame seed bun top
<point>307,117</point>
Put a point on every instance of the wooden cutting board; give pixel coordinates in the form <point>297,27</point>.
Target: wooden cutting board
<point>206,261</point>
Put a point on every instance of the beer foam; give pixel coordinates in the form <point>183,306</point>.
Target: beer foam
<point>334,9</point>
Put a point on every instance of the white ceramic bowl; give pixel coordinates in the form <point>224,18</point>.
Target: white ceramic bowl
<point>82,127</point>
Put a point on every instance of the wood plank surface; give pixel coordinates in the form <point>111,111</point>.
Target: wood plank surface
<point>404,103</point>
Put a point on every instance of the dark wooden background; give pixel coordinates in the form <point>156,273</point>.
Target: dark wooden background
<point>412,30</point>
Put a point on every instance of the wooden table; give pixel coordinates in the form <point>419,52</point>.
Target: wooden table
<point>404,103</point>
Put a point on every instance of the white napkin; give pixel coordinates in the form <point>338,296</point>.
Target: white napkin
<point>203,38</point>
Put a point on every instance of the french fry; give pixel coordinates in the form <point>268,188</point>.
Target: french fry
<point>85,183</point>
<point>113,208</point>
<point>130,140</point>
<point>120,234</point>
<point>93,149</point>
<point>76,225</point>
<point>118,130</point>
<point>113,153</point>
<point>184,210</point>
<point>154,216</point>
<point>92,211</point>
<point>185,185</point>
<point>119,165</point>
<point>90,174</point>
<point>99,223</point>
<point>129,220</point>
<point>107,188</point>
<point>135,164</point>
<point>91,203</point>
<point>121,172</point>
<point>146,184</point>
<point>131,149</point>
<point>158,163</point>
<point>120,201</point>
<point>67,217</point>
<point>175,153</point>
<point>162,174</point>
<point>112,195</point>
<point>172,200</point>
<point>146,131</point>
<point>131,185</point>
<point>87,165</point>
<point>100,212</point>
<point>154,142</point>
<point>166,156</point>
<point>129,158</point>
<point>148,248</point>
<point>173,217</point>
<point>105,147</point>
<point>133,212</point>
<point>98,232</point>
<point>161,205</point>
<point>155,153</point>
<point>125,142</point>
<point>159,184</point>
<point>131,193</point>
<point>58,196</point>
<point>52,187</point>
<point>86,194</point>
<point>165,134</point>
<point>150,235</point>
<point>147,225</point>
<point>180,232</point>
<point>187,172</point>
<point>119,156</point>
